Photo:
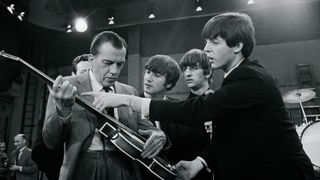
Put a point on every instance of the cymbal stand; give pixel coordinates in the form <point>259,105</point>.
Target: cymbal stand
<point>303,113</point>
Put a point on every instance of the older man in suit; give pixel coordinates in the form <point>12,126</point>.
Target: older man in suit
<point>22,168</point>
<point>89,155</point>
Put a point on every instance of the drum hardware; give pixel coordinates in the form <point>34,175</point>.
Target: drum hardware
<point>299,96</point>
<point>310,140</point>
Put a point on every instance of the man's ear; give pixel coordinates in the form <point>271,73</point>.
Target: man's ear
<point>209,74</point>
<point>168,86</point>
<point>90,57</point>
<point>237,49</point>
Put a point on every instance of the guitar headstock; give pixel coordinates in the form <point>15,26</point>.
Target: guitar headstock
<point>9,56</point>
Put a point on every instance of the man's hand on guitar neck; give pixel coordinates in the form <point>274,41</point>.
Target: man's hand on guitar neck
<point>157,139</point>
<point>64,94</point>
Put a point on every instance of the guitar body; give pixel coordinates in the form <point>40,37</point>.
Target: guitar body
<point>132,146</point>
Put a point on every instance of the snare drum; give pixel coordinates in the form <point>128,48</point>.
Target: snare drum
<point>310,139</point>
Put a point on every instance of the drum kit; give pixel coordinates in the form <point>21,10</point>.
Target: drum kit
<point>309,131</point>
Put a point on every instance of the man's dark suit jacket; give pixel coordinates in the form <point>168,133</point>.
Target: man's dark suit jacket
<point>48,161</point>
<point>253,137</point>
<point>29,167</point>
<point>186,140</point>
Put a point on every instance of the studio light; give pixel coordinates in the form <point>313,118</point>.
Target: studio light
<point>110,16</point>
<point>69,28</point>
<point>111,20</point>
<point>11,8</point>
<point>81,25</point>
<point>21,16</point>
<point>198,5</point>
<point>151,6</point>
<point>250,2</point>
<point>151,16</point>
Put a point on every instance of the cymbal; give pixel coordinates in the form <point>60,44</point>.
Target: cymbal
<point>298,95</point>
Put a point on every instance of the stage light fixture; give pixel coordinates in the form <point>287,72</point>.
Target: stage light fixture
<point>110,16</point>
<point>81,25</point>
<point>151,16</point>
<point>151,6</point>
<point>11,8</point>
<point>250,2</point>
<point>198,5</point>
<point>21,16</point>
<point>111,20</point>
<point>69,28</point>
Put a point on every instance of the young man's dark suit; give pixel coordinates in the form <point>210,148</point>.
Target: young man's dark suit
<point>253,137</point>
<point>29,167</point>
<point>186,140</point>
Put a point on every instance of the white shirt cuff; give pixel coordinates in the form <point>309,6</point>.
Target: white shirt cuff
<point>204,163</point>
<point>145,108</point>
<point>20,168</point>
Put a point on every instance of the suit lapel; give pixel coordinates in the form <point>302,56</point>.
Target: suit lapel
<point>123,112</point>
<point>229,77</point>
<point>21,156</point>
<point>84,85</point>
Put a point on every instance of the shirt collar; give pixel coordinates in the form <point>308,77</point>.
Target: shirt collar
<point>96,86</point>
<point>227,73</point>
<point>22,149</point>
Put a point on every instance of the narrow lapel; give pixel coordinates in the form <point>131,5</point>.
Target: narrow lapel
<point>225,80</point>
<point>84,85</point>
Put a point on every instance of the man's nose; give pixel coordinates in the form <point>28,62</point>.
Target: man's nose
<point>114,68</point>
<point>206,48</point>
<point>149,77</point>
<point>187,71</point>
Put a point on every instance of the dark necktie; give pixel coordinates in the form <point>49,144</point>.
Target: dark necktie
<point>110,111</point>
<point>17,156</point>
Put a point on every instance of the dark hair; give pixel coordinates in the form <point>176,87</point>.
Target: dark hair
<point>164,65</point>
<point>76,60</point>
<point>233,28</point>
<point>196,58</point>
<point>107,36</point>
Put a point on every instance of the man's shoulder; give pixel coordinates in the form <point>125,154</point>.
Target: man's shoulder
<point>125,88</point>
<point>168,98</point>
<point>70,78</point>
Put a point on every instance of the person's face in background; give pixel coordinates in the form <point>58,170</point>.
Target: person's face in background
<point>107,64</point>
<point>82,67</point>
<point>220,54</point>
<point>19,142</point>
<point>154,83</point>
<point>2,147</point>
<point>194,77</point>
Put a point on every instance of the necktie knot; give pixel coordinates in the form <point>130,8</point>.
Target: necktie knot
<point>110,111</point>
<point>107,89</point>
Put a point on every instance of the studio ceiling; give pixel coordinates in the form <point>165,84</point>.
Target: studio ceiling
<point>55,14</point>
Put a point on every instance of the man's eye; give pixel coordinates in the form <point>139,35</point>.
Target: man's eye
<point>107,63</point>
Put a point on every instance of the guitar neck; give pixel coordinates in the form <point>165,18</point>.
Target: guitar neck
<point>33,70</point>
<point>85,104</point>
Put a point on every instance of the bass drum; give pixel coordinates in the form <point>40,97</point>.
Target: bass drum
<point>310,139</point>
